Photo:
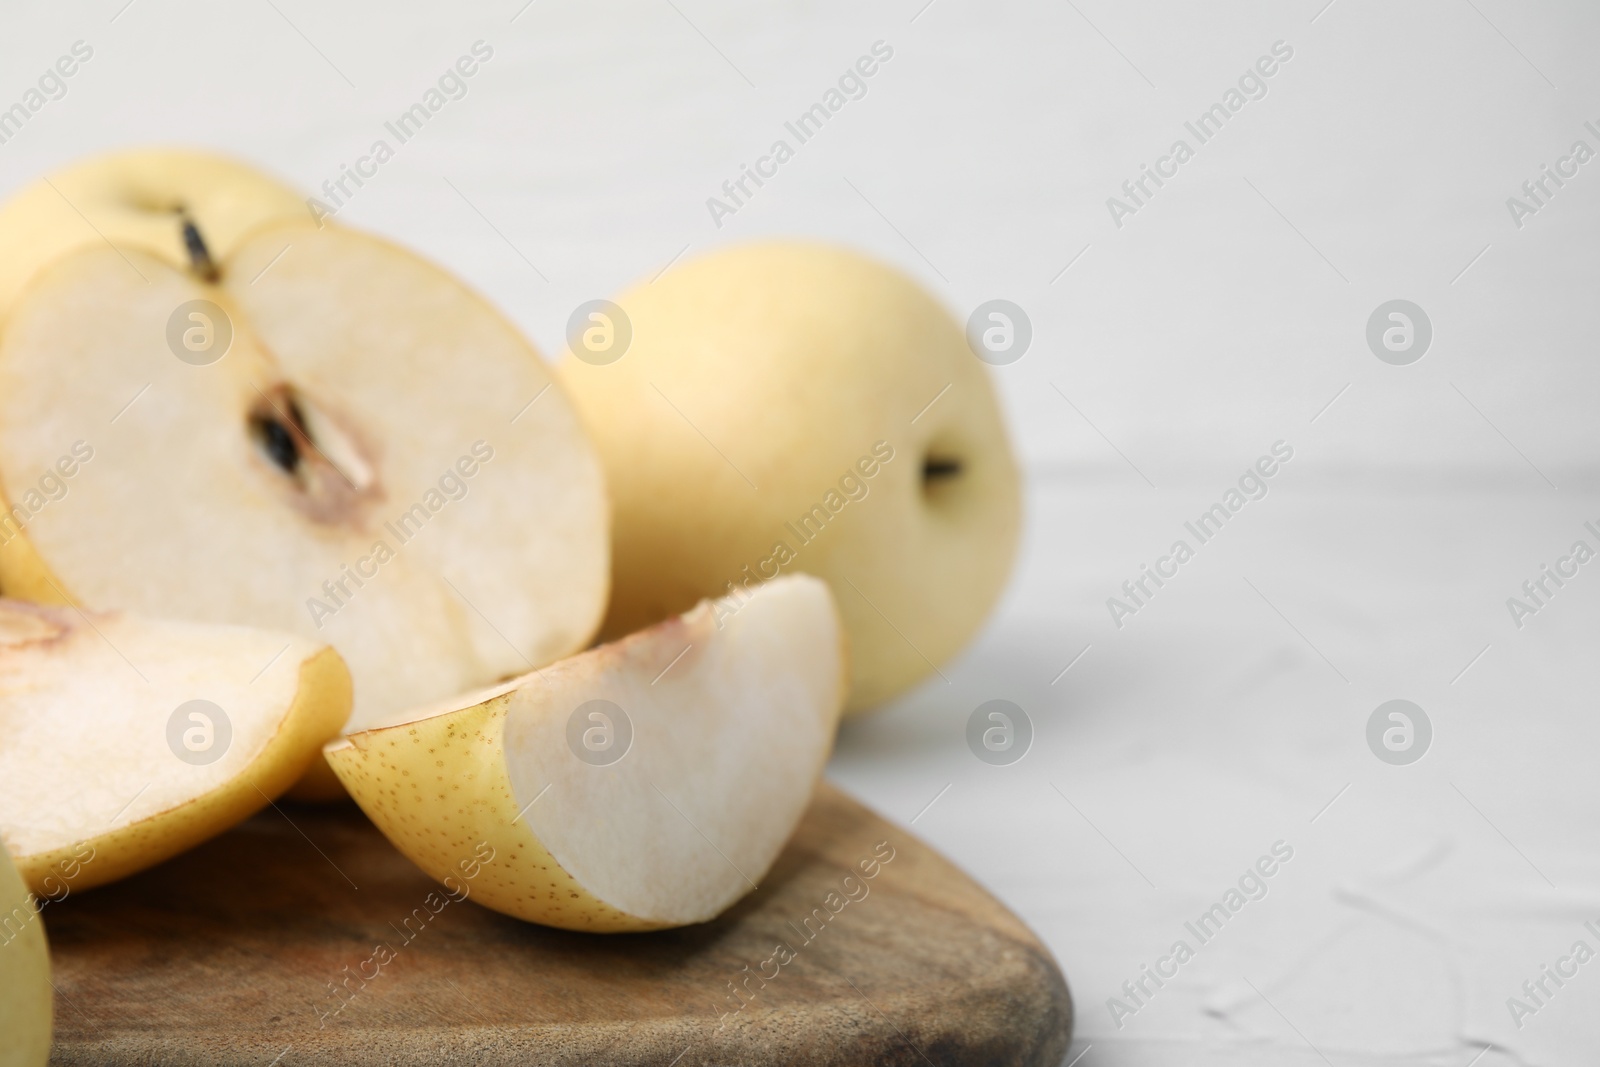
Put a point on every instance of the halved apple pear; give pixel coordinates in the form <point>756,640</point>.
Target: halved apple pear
<point>129,740</point>
<point>643,784</point>
<point>212,408</point>
<point>138,200</point>
<point>26,996</point>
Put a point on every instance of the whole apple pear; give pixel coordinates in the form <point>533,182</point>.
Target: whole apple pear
<point>26,998</point>
<point>795,407</point>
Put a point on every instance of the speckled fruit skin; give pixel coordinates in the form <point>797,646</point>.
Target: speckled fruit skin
<point>441,825</point>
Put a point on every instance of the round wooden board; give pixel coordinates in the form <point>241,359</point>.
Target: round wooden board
<point>303,937</point>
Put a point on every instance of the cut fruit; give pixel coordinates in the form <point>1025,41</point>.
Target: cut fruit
<point>340,441</point>
<point>128,740</point>
<point>26,1000</point>
<point>135,200</point>
<point>643,784</point>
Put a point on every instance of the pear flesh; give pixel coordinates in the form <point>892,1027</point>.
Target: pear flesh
<point>367,454</point>
<point>642,784</point>
<point>129,740</point>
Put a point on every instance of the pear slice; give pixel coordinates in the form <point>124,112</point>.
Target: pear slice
<point>642,784</point>
<point>128,740</point>
<point>26,1000</point>
<point>346,443</point>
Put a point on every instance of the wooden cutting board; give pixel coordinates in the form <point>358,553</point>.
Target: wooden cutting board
<point>263,947</point>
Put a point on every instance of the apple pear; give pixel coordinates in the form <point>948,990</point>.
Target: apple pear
<point>642,784</point>
<point>213,408</point>
<point>787,407</point>
<point>26,996</point>
<point>129,740</point>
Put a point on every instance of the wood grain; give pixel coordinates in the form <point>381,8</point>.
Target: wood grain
<point>231,954</point>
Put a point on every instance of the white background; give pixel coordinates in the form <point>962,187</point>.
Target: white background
<point>1224,316</point>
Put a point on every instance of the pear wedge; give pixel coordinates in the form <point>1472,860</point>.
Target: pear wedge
<point>643,784</point>
<point>129,740</point>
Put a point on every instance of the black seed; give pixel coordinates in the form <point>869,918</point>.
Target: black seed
<point>936,469</point>
<point>278,443</point>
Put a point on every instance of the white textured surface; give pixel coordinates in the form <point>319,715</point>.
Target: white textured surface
<point>1221,318</point>
<point>1207,729</point>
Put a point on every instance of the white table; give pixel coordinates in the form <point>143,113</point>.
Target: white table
<point>1177,750</point>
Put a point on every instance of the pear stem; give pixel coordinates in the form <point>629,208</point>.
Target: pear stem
<point>200,260</point>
